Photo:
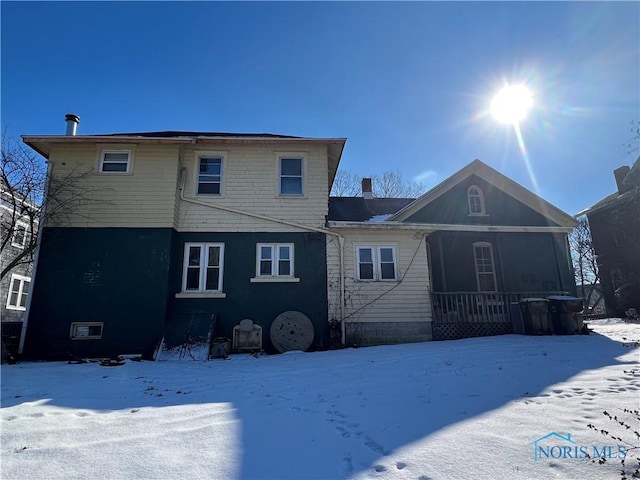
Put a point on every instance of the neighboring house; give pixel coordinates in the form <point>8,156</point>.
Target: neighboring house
<point>448,264</point>
<point>615,230</point>
<point>17,230</point>
<point>187,234</point>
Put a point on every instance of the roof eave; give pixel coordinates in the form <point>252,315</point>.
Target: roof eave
<point>436,227</point>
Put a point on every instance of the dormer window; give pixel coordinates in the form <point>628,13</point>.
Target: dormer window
<point>476,201</point>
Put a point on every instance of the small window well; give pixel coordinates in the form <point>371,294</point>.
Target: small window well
<point>86,330</point>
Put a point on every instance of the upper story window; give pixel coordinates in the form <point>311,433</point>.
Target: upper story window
<point>275,260</point>
<point>290,175</point>
<point>115,161</point>
<point>203,267</point>
<point>376,263</point>
<point>18,291</point>
<point>209,167</point>
<point>485,267</point>
<point>19,235</point>
<point>476,200</point>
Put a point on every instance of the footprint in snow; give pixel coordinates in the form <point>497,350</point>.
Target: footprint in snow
<point>400,465</point>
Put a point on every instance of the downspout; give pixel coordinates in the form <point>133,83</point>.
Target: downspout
<point>36,256</point>
<point>283,222</point>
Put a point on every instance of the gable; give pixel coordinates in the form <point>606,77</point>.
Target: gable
<point>507,203</point>
<point>500,208</point>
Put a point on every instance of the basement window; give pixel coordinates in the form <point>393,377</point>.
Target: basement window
<point>86,330</point>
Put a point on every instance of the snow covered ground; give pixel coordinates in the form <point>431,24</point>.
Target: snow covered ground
<point>463,409</point>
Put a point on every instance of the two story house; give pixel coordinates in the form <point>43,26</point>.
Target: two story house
<point>192,235</point>
<point>187,234</point>
<point>19,225</point>
<point>615,230</point>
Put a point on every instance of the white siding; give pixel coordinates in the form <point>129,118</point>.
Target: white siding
<point>144,198</point>
<point>250,184</point>
<point>403,301</point>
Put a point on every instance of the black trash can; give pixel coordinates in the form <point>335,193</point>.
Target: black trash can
<point>565,313</point>
<point>535,316</point>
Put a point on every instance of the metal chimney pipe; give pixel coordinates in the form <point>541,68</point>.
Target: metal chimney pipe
<point>72,123</point>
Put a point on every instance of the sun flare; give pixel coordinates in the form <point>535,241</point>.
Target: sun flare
<point>511,104</point>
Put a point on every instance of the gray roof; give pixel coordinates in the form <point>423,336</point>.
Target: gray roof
<point>359,209</point>
<point>175,133</point>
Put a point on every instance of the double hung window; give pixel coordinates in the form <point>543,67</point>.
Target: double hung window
<point>18,291</point>
<point>203,267</point>
<point>291,176</point>
<point>115,161</point>
<point>275,260</point>
<point>209,175</point>
<point>376,263</point>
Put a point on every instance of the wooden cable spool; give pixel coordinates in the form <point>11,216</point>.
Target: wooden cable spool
<point>292,330</point>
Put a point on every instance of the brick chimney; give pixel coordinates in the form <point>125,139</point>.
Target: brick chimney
<point>367,191</point>
<point>620,173</point>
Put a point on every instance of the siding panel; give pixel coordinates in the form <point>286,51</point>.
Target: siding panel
<point>367,302</point>
<point>145,198</point>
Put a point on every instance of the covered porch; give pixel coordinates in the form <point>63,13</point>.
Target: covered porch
<point>476,314</point>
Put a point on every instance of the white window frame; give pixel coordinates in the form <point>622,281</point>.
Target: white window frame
<point>202,267</point>
<point>275,259</point>
<point>76,326</point>
<point>128,162</point>
<point>303,167</point>
<point>17,228</point>
<point>479,195</point>
<point>376,256</point>
<point>21,279</point>
<point>492,264</point>
<point>196,171</point>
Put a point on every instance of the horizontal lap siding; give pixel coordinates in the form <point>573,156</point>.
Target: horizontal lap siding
<point>407,302</point>
<point>145,198</point>
<point>250,182</point>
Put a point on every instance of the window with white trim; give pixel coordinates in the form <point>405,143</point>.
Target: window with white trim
<point>485,267</point>
<point>376,263</point>
<point>476,200</point>
<point>19,235</point>
<point>203,267</point>
<point>275,260</point>
<point>290,174</point>
<point>115,161</point>
<point>209,168</point>
<point>86,330</point>
<point>18,291</point>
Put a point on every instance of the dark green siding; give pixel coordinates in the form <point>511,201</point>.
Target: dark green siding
<point>128,278</point>
<point>118,276</point>
<point>524,262</point>
<point>501,208</point>
<point>260,302</point>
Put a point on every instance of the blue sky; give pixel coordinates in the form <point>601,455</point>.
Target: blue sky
<point>408,84</point>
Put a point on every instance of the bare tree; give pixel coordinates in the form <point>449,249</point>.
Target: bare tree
<point>346,184</point>
<point>585,261</point>
<point>390,184</point>
<point>23,185</point>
